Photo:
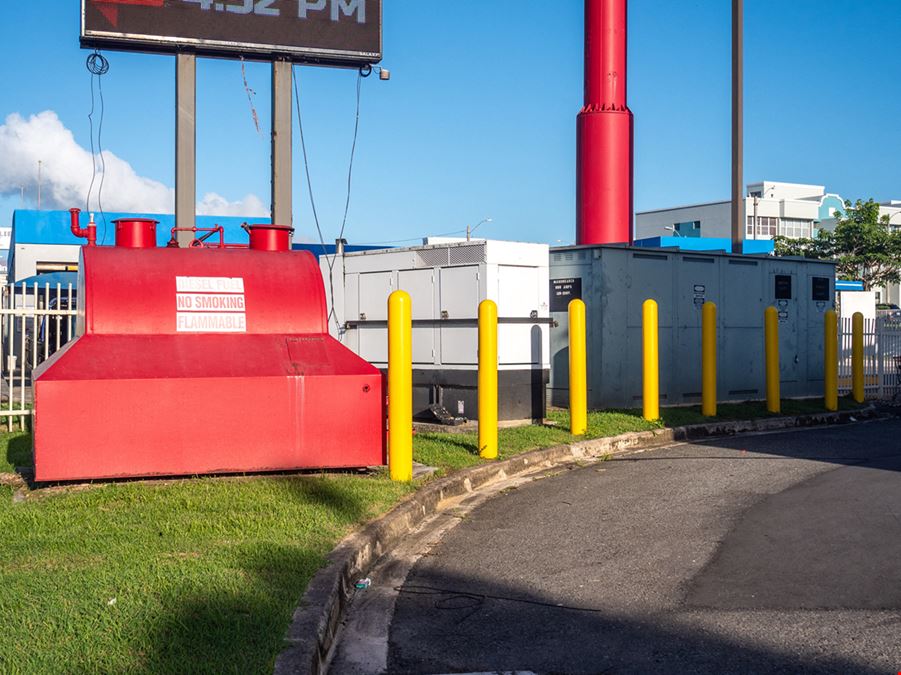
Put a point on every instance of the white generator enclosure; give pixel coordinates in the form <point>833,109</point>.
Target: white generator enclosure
<point>446,283</point>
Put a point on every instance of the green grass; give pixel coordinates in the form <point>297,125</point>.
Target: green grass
<point>457,450</point>
<point>675,417</point>
<point>181,576</point>
<point>454,451</point>
<point>202,575</point>
<point>15,451</point>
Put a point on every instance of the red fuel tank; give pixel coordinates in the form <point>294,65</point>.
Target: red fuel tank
<point>192,361</point>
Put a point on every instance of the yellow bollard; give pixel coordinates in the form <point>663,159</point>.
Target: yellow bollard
<point>857,357</point>
<point>771,341</point>
<point>487,379</point>
<point>400,386</point>
<point>650,390</point>
<point>708,359</point>
<point>578,375</point>
<point>830,360</point>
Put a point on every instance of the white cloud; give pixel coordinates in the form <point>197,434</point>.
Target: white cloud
<point>66,173</point>
<point>214,204</point>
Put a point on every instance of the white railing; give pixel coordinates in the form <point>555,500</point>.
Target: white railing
<point>881,357</point>
<point>35,321</point>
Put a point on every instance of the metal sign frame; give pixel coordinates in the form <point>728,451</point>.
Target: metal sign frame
<point>123,41</point>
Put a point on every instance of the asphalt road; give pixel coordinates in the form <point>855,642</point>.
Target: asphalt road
<point>766,553</point>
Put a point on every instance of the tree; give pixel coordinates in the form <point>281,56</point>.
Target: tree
<point>862,244</point>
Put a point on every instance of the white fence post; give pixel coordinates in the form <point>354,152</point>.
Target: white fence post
<point>880,351</point>
<point>34,324</point>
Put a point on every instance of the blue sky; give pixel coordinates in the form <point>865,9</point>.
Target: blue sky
<point>479,116</point>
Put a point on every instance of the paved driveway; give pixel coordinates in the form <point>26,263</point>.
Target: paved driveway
<point>766,553</point>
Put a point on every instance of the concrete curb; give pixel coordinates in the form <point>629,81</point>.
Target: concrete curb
<point>322,607</point>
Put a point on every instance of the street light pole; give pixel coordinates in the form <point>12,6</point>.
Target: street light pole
<point>470,230</point>
<point>672,228</point>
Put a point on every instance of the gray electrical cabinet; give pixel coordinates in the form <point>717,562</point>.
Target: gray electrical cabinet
<point>614,281</point>
<point>446,281</point>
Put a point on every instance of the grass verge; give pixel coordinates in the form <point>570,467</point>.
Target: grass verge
<point>455,451</point>
<point>177,576</point>
<point>202,575</point>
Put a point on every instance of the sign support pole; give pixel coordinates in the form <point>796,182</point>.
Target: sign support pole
<point>281,142</point>
<point>185,145</point>
<point>738,74</point>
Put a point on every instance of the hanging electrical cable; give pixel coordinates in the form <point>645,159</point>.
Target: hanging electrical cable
<point>97,66</point>
<point>250,94</point>
<point>404,241</point>
<point>330,260</point>
<point>306,165</point>
<point>353,148</point>
<point>306,162</point>
<point>102,158</point>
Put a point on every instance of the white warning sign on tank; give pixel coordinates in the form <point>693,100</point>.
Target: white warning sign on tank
<point>210,305</point>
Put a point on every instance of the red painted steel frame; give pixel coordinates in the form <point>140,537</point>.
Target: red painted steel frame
<point>133,396</point>
<point>604,130</point>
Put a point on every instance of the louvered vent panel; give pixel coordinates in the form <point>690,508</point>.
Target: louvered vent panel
<point>432,257</point>
<point>466,255</point>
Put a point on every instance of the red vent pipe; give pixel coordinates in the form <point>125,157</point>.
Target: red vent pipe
<point>89,232</point>
<point>604,131</point>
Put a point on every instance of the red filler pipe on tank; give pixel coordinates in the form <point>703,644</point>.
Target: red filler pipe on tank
<point>135,232</point>
<point>269,237</point>
<point>604,131</point>
<point>89,232</point>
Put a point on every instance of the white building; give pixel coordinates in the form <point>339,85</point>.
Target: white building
<point>771,208</point>
<point>5,236</point>
<point>787,209</point>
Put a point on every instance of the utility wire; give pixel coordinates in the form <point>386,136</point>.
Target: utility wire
<point>306,162</point>
<point>97,66</point>
<point>403,241</point>
<point>353,148</point>
<point>329,260</point>
<point>87,199</point>
<point>102,158</point>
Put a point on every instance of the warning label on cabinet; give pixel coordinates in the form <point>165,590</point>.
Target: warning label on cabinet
<point>564,290</point>
<point>210,305</point>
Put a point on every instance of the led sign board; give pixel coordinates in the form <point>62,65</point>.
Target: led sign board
<point>336,32</point>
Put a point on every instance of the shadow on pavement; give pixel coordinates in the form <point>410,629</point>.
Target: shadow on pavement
<point>845,444</point>
<point>444,624</point>
<point>830,542</point>
<point>803,576</point>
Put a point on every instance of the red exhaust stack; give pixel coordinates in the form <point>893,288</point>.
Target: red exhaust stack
<point>604,130</point>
